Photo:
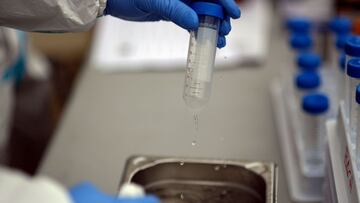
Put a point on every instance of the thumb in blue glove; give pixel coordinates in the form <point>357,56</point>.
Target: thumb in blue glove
<point>177,11</point>
<point>86,192</point>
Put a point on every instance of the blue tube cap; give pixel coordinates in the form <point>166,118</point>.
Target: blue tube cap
<point>341,25</point>
<point>315,103</point>
<point>353,68</point>
<point>298,25</point>
<point>301,41</point>
<point>308,61</point>
<point>342,61</point>
<point>357,95</point>
<point>352,46</point>
<point>307,80</point>
<point>209,9</point>
<point>341,41</point>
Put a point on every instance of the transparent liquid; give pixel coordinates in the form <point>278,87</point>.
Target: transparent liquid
<point>196,121</point>
<point>196,126</point>
<point>194,143</point>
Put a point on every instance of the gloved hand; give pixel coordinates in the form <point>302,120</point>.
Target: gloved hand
<point>177,11</point>
<point>87,193</point>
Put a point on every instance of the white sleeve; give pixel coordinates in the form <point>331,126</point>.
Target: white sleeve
<point>16,187</point>
<point>50,15</point>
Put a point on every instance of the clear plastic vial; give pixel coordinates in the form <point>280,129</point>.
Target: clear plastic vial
<point>305,82</point>
<point>315,106</point>
<point>353,72</point>
<point>201,55</point>
<point>352,50</point>
<point>357,126</point>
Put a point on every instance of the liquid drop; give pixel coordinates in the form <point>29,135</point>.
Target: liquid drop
<point>182,163</point>
<point>182,196</point>
<point>194,143</point>
<point>217,168</point>
<point>196,121</point>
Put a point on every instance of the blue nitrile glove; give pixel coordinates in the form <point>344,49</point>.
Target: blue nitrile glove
<point>176,11</point>
<point>87,193</point>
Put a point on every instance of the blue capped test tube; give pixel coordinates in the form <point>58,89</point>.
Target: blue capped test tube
<point>340,27</point>
<point>305,82</point>
<point>353,72</point>
<point>357,125</point>
<point>315,107</point>
<point>352,51</point>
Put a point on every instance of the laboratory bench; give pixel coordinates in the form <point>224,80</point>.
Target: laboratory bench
<point>111,117</point>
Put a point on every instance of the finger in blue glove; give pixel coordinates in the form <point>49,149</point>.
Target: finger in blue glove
<point>154,10</point>
<point>86,192</point>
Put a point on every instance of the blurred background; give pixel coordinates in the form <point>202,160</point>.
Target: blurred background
<point>53,64</point>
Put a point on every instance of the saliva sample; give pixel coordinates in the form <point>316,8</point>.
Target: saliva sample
<point>201,54</point>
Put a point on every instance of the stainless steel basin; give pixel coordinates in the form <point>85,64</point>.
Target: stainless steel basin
<point>203,180</point>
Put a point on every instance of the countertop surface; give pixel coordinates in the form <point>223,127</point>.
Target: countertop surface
<point>113,116</point>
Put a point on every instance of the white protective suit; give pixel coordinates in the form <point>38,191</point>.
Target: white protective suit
<point>50,15</point>
<point>44,16</point>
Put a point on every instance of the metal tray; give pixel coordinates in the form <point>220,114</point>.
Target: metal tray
<point>187,180</point>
